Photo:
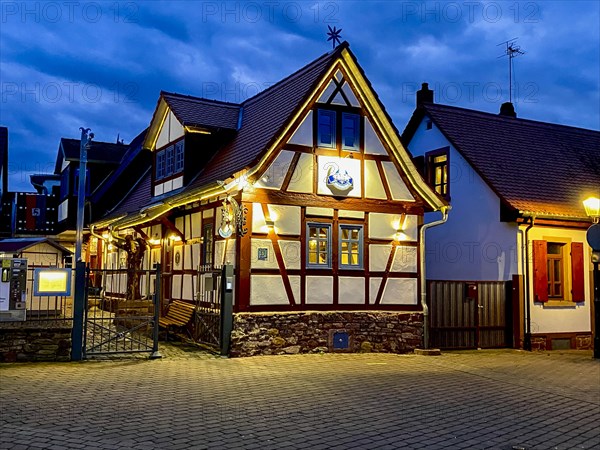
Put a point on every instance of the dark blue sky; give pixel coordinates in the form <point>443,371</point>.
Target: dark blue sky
<point>102,64</point>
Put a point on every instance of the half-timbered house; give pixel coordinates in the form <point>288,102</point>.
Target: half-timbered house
<point>307,191</point>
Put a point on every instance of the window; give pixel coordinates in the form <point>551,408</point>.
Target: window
<point>350,131</point>
<point>207,240</point>
<point>160,165</point>
<point>179,156</point>
<point>558,271</point>
<point>318,245</point>
<point>326,129</point>
<point>169,161</point>
<point>554,267</point>
<point>437,172</point>
<point>351,247</point>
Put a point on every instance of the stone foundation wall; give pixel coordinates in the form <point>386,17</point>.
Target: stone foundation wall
<point>579,341</point>
<point>28,341</point>
<point>314,332</point>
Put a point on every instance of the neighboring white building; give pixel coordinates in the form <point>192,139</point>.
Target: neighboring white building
<point>510,181</point>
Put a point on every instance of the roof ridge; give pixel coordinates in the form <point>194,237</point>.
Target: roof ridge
<point>298,72</point>
<point>510,119</point>
<point>200,99</point>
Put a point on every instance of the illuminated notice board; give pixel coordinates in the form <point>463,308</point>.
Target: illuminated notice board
<point>52,281</point>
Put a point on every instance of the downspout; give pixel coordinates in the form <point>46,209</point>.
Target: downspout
<point>527,331</point>
<point>424,227</point>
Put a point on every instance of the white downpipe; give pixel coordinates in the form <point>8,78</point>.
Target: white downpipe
<point>424,227</point>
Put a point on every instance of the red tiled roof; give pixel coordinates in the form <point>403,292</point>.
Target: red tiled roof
<point>538,167</point>
<point>202,112</point>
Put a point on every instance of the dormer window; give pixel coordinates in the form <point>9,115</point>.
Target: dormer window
<point>169,161</point>
<point>438,174</point>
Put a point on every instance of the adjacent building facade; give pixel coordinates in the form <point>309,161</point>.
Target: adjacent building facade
<point>516,188</point>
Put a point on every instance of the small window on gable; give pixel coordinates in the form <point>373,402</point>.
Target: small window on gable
<point>160,165</point>
<point>350,131</point>
<point>169,161</point>
<point>351,247</point>
<point>438,172</point>
<point>318,241</point>
<point>179,156</point>
<point>326,129</point>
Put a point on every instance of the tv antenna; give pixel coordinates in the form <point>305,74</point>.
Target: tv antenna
<point>512,51</point>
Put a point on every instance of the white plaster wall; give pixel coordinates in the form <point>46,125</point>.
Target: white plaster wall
<point>176,286</point>
<point>323,212</point>
<point>304,133</point>
<point>188,287</point>
<point>405,259</point>
<point>400,291</point>
<point>373,182</point>
<point>378,257</point>
<point>346,214</point>
<point>385,226</point>
<point>327,92</point>
<point>196,225</point>
<point>286,218</point>
<point>63,210</point>
<point>319,290</point>
<point>188,263</point>
<point>473,245</point>
<point>350,95</point>
<point>225,252</point>
<point>351,291</point>
<point>373,145</point>
<point>290,250</point>
<point>170,131</point>
<point>267,290</point>
<point>398,188</point>
<point>374,284</point>
<point>302,179</point>
<point>561,319</point>
<point>273,177</point>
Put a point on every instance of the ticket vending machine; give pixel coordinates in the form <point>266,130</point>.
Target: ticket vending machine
<point>13,289</point>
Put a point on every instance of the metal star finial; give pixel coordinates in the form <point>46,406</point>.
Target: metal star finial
<point>334,35</point>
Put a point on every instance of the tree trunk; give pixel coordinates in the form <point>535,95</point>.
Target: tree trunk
<point>135,249</point>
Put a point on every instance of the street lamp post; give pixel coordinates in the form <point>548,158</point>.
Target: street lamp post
<point>592,209</point>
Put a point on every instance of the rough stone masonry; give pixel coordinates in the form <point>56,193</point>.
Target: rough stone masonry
<point>314,331</point>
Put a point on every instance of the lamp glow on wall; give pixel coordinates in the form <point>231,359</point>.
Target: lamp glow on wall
<point>592,208</point>
<point>400,226</point>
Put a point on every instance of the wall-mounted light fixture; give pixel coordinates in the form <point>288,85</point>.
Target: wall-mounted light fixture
<point>154,240</point>
<point>175,238</point>
<point>270,224</point>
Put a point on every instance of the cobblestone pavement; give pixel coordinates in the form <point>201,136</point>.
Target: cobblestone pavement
<point>482,400</point>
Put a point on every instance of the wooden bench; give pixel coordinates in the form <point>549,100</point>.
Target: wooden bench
<point>179,316</point>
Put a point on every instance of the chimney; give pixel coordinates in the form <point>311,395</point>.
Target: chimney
<point>507,109</point>
<point>424,95</point>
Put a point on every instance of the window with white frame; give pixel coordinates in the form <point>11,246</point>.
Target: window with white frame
<point>169,161</point>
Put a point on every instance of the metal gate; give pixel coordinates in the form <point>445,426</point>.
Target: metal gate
<point>213,320</point>
<point>121,312</point>
<point>469,314</point>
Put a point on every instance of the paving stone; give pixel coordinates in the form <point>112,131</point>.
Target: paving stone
<point>487,399</point>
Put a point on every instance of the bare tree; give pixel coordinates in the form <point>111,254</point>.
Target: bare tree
<point>135,249</point>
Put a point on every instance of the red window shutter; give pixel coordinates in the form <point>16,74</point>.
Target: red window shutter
<point>577,268</point>
<point>540,272</point>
